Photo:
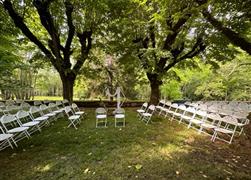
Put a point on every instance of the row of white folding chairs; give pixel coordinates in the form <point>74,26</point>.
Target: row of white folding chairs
<point>204,121</point>
<point>16,127</point>
<point>8,109</point>
<point>224,110</point>
<point>24,123</point>
<point>235,105</point>
<point>145,113</point>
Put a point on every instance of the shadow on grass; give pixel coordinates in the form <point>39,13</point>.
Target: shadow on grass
<point>161,150</point>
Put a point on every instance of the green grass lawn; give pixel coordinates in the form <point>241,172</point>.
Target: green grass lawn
<point>160,150</point>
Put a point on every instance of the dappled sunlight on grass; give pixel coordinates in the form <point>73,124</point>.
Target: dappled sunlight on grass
<point>160,150</point>
<point>44,168</point>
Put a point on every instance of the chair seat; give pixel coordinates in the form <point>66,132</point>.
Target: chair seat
<point>42,118</point>
<point>32,123</point>
<point>177,114</point>
<point>50,114</point>
<point>57,111</point>
<point>186,117</point>
<point>147,114</point>
<point>222,130</point>
<point>17,130</point>
<point>119,116</point>
<point>74,117</point>
<point>5,136</point>
<point>79,112</point>
<point>206,125</point>
<point>160,107</point>
<point>140,111</point>
<point>101,116</point>
<point>196,121</point>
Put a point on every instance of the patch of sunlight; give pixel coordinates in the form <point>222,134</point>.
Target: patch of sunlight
<point>170,150</point>
<point>44,168</point>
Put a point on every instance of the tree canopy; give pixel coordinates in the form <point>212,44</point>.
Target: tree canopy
<point>143,36</point>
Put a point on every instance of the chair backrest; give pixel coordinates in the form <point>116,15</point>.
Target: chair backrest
<point>67,110</point>
<point>144,106</point>
<point>182,107</point>
<point>9,102</point>
<point>65,101</point>
<point>22,114</point>
<point>151,109</point>
<point>168,103</point>
<point>37,103</point>
<point>100,110</point>
<point>174,105</point>
<point>34,109</point>
<point>162,102</point>
<point>25,105</point>
<point>52,105</point>
<point>58,103</point>
<point>46,101</point>
<point>202,114</point>
<point>202,107</point>
<point>230,120</point>
<point>2,104</point>
<point>8,118</point>
<point>43,107</point>
<point>214,116</point>
<point>75,107</point>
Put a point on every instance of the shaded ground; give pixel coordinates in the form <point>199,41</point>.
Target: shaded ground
<point>161,150</point>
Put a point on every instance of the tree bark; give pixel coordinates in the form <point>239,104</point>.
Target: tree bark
<point>68,83</point>
<point>155,84</point>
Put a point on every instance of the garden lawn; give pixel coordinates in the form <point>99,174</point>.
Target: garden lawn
<point>160,150</point>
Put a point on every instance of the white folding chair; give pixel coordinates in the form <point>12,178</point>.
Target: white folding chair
<point>46,112</point>
<point>54,108</point>
<point>101,116</point>
<point>181,109</point>
<point>12,126</point>
<point>65,103</point>
<point>25,106</point>
<point>119,115</point>
<point>74,119</point>
<point>210,123</point>
<point>142,109</point>
<point>25,120</point>
<point>146,117</point>
<point>160,106</point>
<point>5,139</point>
<point>226,126</point>
<point>187,115</point>
<point>199,117</point>
<point>36,115</point>
<point>76,110</point>
<point>173,109</point>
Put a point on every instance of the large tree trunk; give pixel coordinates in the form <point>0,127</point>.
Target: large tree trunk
<point>68,83</point>
<point>155,83</point>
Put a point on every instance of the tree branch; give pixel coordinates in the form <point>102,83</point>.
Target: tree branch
<point>175,28</point>
<point>198,47</point>
<point>46,19</point>
<point>71,32</point>
<point>85,40</point>
<point>232,36</point>
<point>18,21</point>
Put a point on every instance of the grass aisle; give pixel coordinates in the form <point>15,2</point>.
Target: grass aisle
<point>161,150</point>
